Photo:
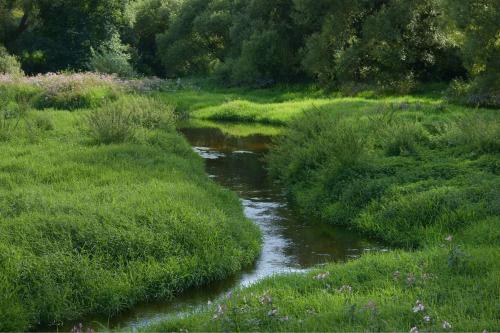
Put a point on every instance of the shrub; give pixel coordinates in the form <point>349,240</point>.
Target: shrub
<point>110,124</point>
<point>9,64</point>
<point>473,94</point>
<point>74,92</point>
<point>112,58</point>
<point>149,113</point>
<point>121,121</point>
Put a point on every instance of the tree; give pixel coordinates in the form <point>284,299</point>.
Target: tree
<point>152,17</point>
<point>477,22</point>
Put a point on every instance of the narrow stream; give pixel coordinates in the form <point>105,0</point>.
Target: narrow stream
<point>290,244</point>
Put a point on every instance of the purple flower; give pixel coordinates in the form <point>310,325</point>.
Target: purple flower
<point>419,307</point>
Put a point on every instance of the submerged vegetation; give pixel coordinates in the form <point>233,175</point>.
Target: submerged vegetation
<point>104,208</point>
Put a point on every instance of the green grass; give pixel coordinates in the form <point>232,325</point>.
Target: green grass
<point>281,105</point>
<point>408,170</point>
<point>88,228</point>
<point>235,129</point>
<point>375,293</point>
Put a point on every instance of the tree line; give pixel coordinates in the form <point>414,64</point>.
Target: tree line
<point>392,44</point>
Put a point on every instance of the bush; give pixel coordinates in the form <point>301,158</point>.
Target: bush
<point>9,64</point>
<point>121,121</point>
<point>473,94</point>
<point>112,58</point>
<point>110,124</point>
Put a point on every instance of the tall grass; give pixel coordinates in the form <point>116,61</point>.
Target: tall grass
<point>421,175</point>
<point>391,177</point>
<point>96,228</point>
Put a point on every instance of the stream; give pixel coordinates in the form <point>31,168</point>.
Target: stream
<point>290,243</point>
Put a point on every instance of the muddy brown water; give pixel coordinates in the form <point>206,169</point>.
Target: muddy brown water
<point>290,243</point>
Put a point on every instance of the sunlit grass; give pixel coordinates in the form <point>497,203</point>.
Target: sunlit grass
<point>234,129</point>
<point>414,171</point>
<point>91,228</point>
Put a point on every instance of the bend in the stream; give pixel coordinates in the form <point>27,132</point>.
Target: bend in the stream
<point>290,243</point>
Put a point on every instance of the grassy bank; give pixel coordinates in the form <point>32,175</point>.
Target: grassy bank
<point>104,208</point>
<point>416,172</point>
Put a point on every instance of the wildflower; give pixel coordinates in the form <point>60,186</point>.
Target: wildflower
<point>311,312</point>
<point>209,302</point>
<point>449,238</point>
<point>284,318</point>
<point>273,312</point>
<point>322,276</point>
<point>229,295</point>
<point>396,275</point>
<point>446,325</point>
<point>427,319</point>
<point>414,330</point>
<point>221,309</point>
<point>345,289</point>
<point>419,307</point>
<point>410,280</point>
<point>265,299</point>
<point>371,305</point>
<point>485,331</point>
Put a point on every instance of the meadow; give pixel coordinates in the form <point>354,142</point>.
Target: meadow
<point>386,122</point>
<point>103,204</point>
<point>417,172</point>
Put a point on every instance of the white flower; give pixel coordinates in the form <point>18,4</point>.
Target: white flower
<point>419,307</point>
<point>272,313</point>
<point>449,238</point>
<point>414,330</point>
<point>345,289</point>
<point>446,325</point>
<point>427,319</point>
<point>322,276</point>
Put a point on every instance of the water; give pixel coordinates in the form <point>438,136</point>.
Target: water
<point>290,243</point>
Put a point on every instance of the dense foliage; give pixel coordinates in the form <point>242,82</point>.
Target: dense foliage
<point>348,44</point>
